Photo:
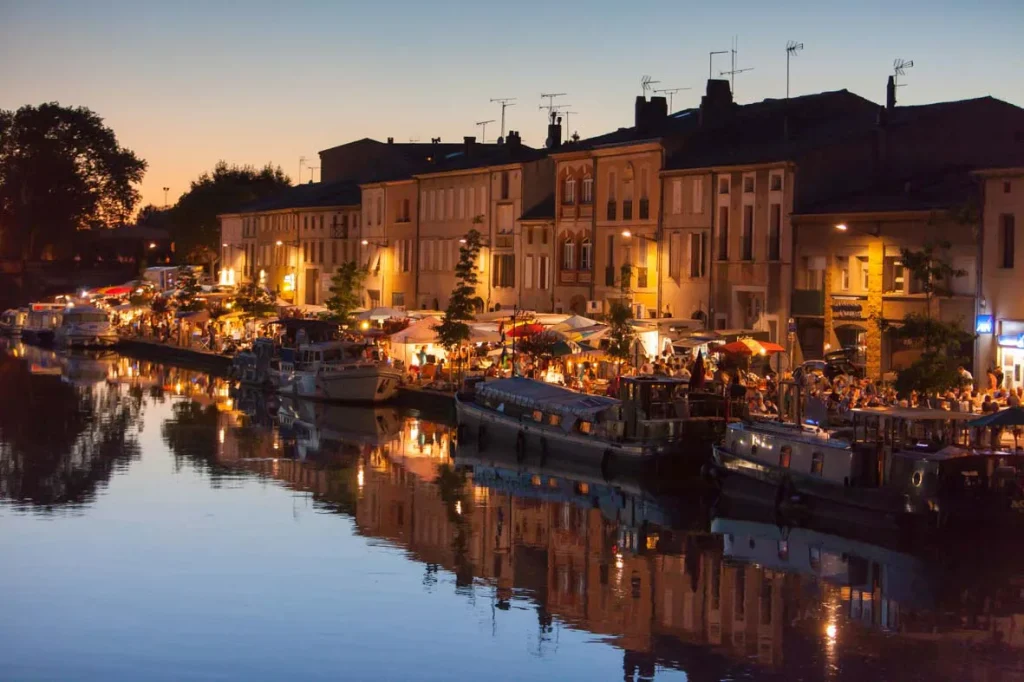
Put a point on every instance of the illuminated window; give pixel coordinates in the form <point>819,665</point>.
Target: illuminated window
<point>785,455</point>
<point>817,462</point>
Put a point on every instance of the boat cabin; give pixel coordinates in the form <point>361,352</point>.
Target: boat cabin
<point>552,406</point>
<point>44,315</point>
<point>654,407</point>
<point>84,315</point>
<point>313,356</point>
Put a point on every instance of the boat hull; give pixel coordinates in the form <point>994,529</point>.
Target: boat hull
<point>363,384</point>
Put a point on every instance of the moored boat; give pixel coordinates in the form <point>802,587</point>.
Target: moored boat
<point>337,371</point>
<point>13,321</point>
<point>895,464</point>
<point>84,327</point>
<point>650,426</point>
<point>41,322</point>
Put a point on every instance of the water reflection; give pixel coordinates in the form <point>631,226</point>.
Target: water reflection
<point>673,583</point>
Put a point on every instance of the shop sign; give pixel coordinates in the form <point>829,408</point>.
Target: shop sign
<point>847,309</point>
<point>1012,340</point>
<point>984,324</point>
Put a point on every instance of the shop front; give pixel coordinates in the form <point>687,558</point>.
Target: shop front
<point>1010,354</point>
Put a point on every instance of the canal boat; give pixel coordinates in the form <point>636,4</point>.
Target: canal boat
<point>13,321</point>
<point>41,323</point>
<point>903,464</point>
<point>336,371</point>
<point>84,327</point>
<point>650,426</point>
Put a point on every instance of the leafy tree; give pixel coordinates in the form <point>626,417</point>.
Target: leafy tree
<point>187,284</point>
<point>931,270</point>
<point>346,290</point>
<point>539,344</point>
<point>253,300</point>
<point>61,170</point>
<point>453,330</point>
<point>153,216</point>
<point>194,226</point>
<point>620,332</point>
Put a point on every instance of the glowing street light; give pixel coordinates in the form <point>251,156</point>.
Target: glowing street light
<point>279,243</point>
<point>627,234</point>
<point>841,227</point>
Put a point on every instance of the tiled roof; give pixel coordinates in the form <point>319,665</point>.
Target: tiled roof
<point>544,210</point>
<point>481,156</point>
<point>310,195</point>
<point>944,188</point>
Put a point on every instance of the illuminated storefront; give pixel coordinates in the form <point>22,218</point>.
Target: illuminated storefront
<point>1010,354</point>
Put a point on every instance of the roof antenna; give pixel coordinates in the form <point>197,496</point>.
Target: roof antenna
<point>711,57</point>
<point>551,101</point>
<point>645,84</point>
<point>483,129</point>
<point>899,67</point>
<point>792,47</point>
<point>733,71</point>
<point>670,92</point>
<point>505,102</point>
<point>567,114</point>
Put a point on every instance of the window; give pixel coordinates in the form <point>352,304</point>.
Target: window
<point>677,196</point>
<point>644,193</point>
<point>380,211</point>
<point>528,272</point>
<point>1007,239</point>
<point>423,205</point>
<point>817,463</point>
<point>865,274</point>
<point>775,232</point>
<point>675,247</point>
<point>611,251</point>
<point>405,210</point>
<point>483,201</point>
<point>723,185</point>
<point>544,235</point>
<point>398,299</point>
<point>697,189</point>
<point>321,222</point>
<point>450,204</point>
<point>433,205</point>
<point>785,456</point>
<point>305,252</point>
<point>894,275</point>
<point>588,190</point>
<point>471,202</point>
<point>641,252</point>
<point>334,253</point>
<point>697,250</point>
<point>775,182</point>
<point>843,262</point>
<point>569,254</point>
<point>462,203</point>
<point>305,223</point>
<point>1006,186</point>
<point>569,191</point>
<point>543,272</point>
<point>611,185</point>
<point>529,234</point>
<point>748,233</point>
<point>586,255</point>
<point>504,272</point>
<point>723,232</point>
<point>320,250</point>
<point>504,184</point>
<point>748,184</point>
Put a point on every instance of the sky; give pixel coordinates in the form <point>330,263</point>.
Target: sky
<point>185,84</point>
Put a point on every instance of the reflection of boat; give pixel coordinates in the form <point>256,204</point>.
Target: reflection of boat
<point>86,367</point>
<point>316,423</point>
<point>13,321</point>
<point>85,327</point>
<point>900,464</point>
<point>650,423</point>
<point>42,320</point>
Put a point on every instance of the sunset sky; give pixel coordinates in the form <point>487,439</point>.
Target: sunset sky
<point>185,84</point>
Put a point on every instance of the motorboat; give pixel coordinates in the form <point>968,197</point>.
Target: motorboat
<point>85,327</point>
<point>13,321</point>
<point>650,425</point>
<point>337,371</point>
<point>902,463</point>
<point>41,323</point>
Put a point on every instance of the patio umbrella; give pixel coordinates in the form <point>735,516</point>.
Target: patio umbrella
<point>562,348</point>
<point>751,347</point>
<point>379,314</point>
<point>1011,416</point>
<point>524,330</point>
<point>574,322</point>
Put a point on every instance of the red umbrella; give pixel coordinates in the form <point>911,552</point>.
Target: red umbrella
<point>770,347</point>
<point>736,347</point>
<point>525,330</point>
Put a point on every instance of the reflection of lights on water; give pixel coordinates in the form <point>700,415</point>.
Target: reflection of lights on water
<point>458,507</point>
<point>360,477</point>
<point>220,436</point>
<point>830,631</point>
<point>619,562</point>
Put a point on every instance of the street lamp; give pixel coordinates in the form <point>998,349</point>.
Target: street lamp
<point>843,227</point>
<point>627,234</point>
<point>292,279</point>
<point>380,244</point>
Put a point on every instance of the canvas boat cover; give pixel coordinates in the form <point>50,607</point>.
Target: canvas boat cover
<point>538,395</point>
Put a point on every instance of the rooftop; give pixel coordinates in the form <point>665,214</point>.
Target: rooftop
<point>310,195</point>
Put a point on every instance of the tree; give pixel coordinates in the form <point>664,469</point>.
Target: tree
<point>453,330</point>
<point>620,332</point>
<point>539,344</point>
<point>194,226</point>
<point>188,290</point>
<point>153,216</point>
<point>253,300</point>
<point>61,170</point>
<point>930,269</point>
<point>346,290</point>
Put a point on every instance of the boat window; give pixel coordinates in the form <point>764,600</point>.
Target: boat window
<point>554,419</point>
<point>535,480</point>
<point>586,427</point>
<point>817,462</point>
<point>538,416</point>
<point>753,450</point>
<point>582,488</point>
<point>785,455</point>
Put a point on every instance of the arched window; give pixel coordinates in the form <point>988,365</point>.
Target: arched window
<point>588,190</point>
<point>586,255</point>
<point>569,254</point>
<point>569,190</point>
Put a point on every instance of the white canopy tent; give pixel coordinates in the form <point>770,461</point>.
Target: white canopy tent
<point>421,334</point>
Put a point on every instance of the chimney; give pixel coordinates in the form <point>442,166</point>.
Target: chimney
<point>468,142</point>
<point>890,93</point>
<point>639,111</point>
<point>649,114</point>
<point>717,102</point>
<point>391,140</point>
<point>513,141</point>
<point>554,140</point>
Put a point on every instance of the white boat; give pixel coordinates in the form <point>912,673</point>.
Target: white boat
<point>13,321</point>
<point>41,322</point>
<point>85,327</point>
<point>335,370</point>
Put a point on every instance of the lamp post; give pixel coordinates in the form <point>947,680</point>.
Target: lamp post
<point>295,268</point>
<point>379,244</point>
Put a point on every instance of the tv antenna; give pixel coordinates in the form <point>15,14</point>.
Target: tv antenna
<point>645,84</point>
<point>302,162</point>
<point>483,129</point>
<point>567,114</point>
<point>505,102</point>
<point>792,47</point>
<point>670,92</point>
<point>312,171</point>
<point>733,71</point>
<point>551,100</point>
<point>899,67</point>
<point>711,57</point>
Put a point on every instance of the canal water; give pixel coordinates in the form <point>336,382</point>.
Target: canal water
<point>157,525</point>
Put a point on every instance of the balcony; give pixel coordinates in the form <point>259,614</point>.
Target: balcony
<point>645,209</point>
<point>611,210</point>
<point>627,209</point>
<point>808,303</point>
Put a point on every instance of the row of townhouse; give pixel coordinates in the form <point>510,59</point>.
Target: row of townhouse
<point>781,216</point>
